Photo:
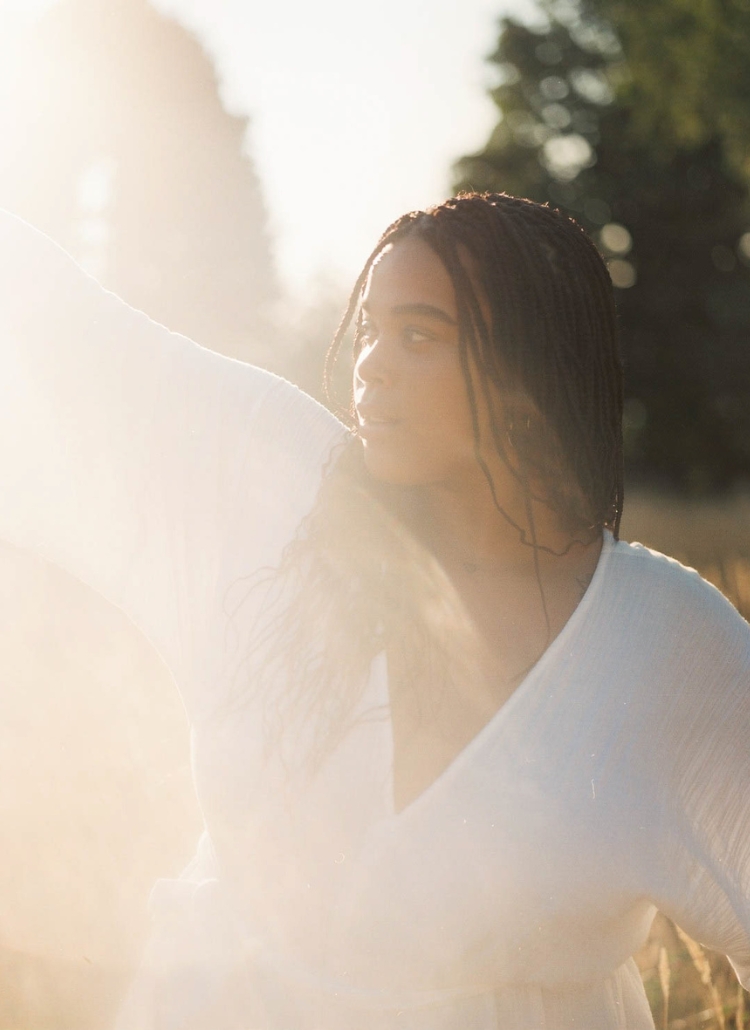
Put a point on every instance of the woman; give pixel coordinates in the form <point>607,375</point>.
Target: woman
<point>453,741</point>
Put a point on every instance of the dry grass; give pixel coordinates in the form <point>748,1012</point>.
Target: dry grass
<point>688,986</point>
<point>712,537</point>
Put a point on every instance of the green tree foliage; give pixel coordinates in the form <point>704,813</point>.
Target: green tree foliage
<point>690,69</point>
<point>661,188</point>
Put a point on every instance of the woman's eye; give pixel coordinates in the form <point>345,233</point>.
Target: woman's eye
<point>414,335</point>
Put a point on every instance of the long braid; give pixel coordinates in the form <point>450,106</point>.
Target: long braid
<point>546,367</point>
<point>553,331</point>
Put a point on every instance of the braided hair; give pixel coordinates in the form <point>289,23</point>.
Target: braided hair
<point>357,579</point>
<point>551,335</point>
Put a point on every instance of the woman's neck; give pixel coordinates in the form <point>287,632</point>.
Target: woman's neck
<point>465,526</point>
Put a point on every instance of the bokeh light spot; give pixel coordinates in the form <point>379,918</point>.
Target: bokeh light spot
<point>615,238</point>
<point>556,116</point>
<point>553,87</point>
<point>622,273</point>
<point>565,155</point>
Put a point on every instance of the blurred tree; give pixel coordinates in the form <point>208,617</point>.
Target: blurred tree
<point>690,70</point>
<point>115,141</point>
<point>311,329</point>
<point>580,129</point>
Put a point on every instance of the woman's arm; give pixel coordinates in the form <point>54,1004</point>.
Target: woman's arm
<point>135,459</point>
<point>705,853</point>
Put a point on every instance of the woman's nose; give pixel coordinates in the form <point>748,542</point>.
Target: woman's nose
<point>374,364</point>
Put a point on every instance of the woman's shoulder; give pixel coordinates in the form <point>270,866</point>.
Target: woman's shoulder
<point>678,653</point>
<point>658,585</point>
<point>677,625</point>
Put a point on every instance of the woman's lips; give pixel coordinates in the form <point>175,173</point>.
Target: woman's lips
<point>373,426</point>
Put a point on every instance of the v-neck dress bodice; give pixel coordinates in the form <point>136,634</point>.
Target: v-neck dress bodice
<point>512,893</point>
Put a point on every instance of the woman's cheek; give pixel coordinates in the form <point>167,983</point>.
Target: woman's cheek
<point>401,460</point>
<point>418,457</point>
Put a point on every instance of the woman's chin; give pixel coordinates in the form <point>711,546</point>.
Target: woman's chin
<point>389,466</point>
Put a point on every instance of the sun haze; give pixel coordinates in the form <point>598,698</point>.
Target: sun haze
<point>356,111</point>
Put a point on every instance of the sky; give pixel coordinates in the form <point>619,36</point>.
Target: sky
<point>357,109</point>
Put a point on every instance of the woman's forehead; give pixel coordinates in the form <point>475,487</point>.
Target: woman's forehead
<point>409,272</point>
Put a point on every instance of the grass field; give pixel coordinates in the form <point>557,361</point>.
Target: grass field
<point>688,986</point>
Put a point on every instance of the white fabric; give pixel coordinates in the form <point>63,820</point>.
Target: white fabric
<point>511,894</point>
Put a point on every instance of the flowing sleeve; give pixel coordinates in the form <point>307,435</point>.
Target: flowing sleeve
<point>705,846</point>
<point>133,458</point>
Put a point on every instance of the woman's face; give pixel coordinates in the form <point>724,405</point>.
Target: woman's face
<point>410,393</point>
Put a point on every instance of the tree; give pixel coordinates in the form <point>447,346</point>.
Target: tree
<point>669,211</point>
<point>690,70</point>
<point>115,142</point>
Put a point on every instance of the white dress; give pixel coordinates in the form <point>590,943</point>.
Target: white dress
<point>512,893</point>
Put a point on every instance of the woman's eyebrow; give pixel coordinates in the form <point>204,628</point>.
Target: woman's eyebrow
<point>428,310</point>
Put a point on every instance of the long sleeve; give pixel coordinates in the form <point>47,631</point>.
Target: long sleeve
<point>705,847</point>
<point>135,459</point>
